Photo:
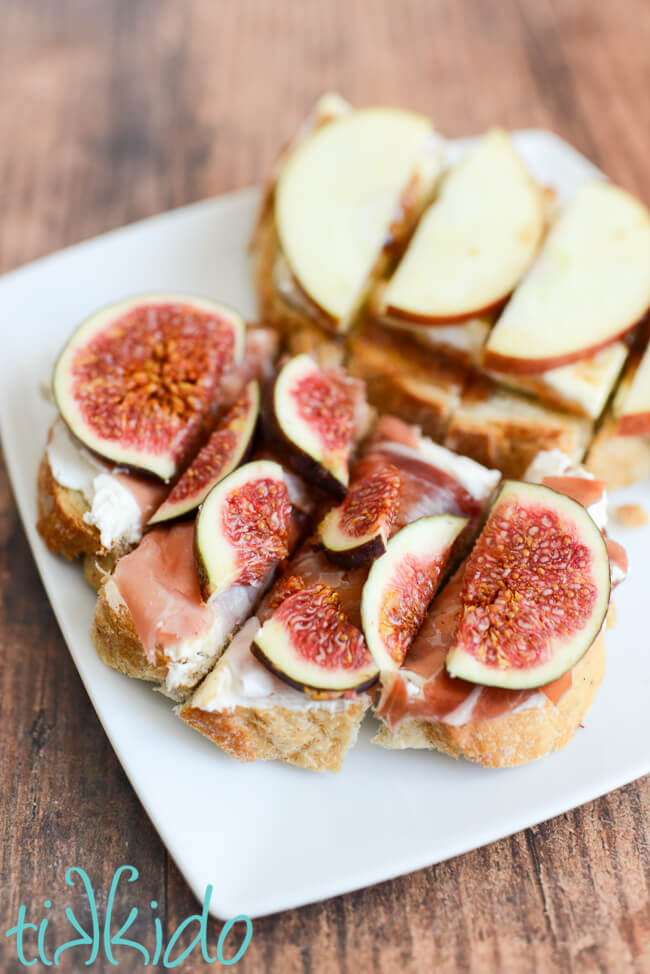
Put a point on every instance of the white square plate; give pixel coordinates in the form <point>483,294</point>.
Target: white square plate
<point>268,836</point>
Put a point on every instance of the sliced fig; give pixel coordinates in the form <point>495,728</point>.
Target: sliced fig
<point>137,381</point>
<point>223,452</point>
<point>402,583</point>
<point>310,644</point>
<point>242,528</point>
<point>535,591</point>
<point>314,416</point>
<point>356,531</point>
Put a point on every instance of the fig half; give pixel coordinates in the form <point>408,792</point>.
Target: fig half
<point>356,531</point>
<point>313,416</point>
<point>310,644</point>
<point>402,583</point>
<point>535,591</point>
<point>138,380</point>
<point>242,528</point>
<point>223,452</point>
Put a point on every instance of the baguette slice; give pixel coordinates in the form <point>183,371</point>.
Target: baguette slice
<point>86,507</point>
<point>423,707</point>
<point>514,738</point>
<point>252,715</point>
<point>471,415</point>
<point>403,379</point>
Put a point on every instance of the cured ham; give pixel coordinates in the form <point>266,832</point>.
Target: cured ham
<point>159,585</point>
<point>424,689</point>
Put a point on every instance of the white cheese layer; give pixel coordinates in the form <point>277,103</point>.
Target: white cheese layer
<point>113,509</point>
<point>240,680</point>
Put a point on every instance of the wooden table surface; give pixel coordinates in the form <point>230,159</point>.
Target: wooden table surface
<point>114,110</point>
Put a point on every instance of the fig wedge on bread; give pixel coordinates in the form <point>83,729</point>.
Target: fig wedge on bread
<point>510,655</point>
<point>89,503</point>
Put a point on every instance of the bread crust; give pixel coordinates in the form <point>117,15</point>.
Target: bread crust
<point>514,738</point>
<point>118,645</point>
<point>61,517</point>
<point>117,642</point>
<point>316,739</point>
<point>98,568</point>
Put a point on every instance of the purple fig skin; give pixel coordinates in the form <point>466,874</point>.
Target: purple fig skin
<point>299,461</point>
<point>357,555</point>
<point>314,692</point>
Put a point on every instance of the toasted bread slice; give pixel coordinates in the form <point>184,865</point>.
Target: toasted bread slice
<point>86,507</point>
<point>317,740</point>
<point>250,714</point>
<point>514,738</point>
<point>97,568</point>
<point>117,643</point>
<point>469,414</point>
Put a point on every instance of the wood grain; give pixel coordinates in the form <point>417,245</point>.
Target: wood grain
<point>116,110</point>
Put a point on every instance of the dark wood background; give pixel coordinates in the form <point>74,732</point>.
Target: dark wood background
<point>112,110</point>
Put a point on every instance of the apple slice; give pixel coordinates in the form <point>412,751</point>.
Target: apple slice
<point>535,591</point>
<point>474,242</point>
<point>338,195</point>
<point>589,286</point>
<point>634,417</point>
<point>401,584</point>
